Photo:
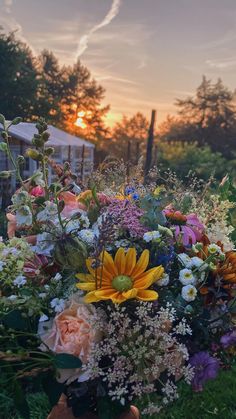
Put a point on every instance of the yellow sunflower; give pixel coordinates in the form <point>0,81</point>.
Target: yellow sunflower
<point>120,279</point>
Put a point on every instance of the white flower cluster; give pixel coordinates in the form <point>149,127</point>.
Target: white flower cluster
<point>145,338</point>
<point>191,275</point>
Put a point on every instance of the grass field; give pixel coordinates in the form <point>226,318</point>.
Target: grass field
<point>217,401</point>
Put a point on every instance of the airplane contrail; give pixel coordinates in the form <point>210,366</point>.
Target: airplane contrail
<point>113,12</point>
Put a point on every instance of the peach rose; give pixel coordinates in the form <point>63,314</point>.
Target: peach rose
<point>72,332</point>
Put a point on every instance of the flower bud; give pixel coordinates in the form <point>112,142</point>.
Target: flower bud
<point>49,151</point>
<point>45,136</point>
<point>4,135</point>
<point>38,142</point>
<point>70,252</point>
<point>16,120</point>
<point>5,174</point>
<point>34,154</point>
<point>20,160</point>
<point>3,147</point>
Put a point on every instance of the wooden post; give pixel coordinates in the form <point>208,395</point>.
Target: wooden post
<point>82,163</point>
<point>148,162</point>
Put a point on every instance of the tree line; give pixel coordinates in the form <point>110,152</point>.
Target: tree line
<point>203,132</point>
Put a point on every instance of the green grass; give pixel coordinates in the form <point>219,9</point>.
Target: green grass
<point>217,401</point>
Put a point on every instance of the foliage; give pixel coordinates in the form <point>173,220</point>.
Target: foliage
<point>208,118</point>
<point>38,85</point>
<point>18,78</point>
<point>183,158</point>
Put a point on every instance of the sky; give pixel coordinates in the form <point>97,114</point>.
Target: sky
<point>146,53</point>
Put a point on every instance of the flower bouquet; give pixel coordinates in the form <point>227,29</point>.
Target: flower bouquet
<point>114,291</point>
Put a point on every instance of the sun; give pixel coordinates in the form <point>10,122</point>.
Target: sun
<point>80,121</point>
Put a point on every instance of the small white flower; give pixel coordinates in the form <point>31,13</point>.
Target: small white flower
<point>84,220</point>
<point>151,235</point>
<point>184,259</point>
<point>48,213</point>
<point>43,318</point>
<point>198,263</point>
<point>57,277</point>
<point>12,297</point>
<point>189,293</point>
<point>164,280</point>
<point>186,276</point>
<point>214,248</point>
<point>24,216</point>
<point>2,264</point>
<point>19,281</point>
<point>58,304</point>
<point>42,295</point>
<point>87,236</point>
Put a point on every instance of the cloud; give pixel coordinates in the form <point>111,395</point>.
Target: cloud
<point>7,6</point>
<point>222,64</point>
<point>113,12</point>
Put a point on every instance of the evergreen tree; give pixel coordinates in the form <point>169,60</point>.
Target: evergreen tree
<point>208,118</point>
<point>18,78</point>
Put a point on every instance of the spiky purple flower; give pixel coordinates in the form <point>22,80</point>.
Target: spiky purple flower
<point>205,368</point>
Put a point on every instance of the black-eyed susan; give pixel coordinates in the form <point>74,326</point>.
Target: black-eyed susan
<point>121,278</point>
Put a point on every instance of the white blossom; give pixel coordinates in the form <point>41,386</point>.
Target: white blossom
<point>189,293</point>
<point>19,281</point>
<point>58,304</point>
<point>186,277</point>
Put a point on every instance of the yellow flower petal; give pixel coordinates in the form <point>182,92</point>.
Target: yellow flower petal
<point>130,294</point>
<point>142,264</point>
<point>159,272</point>
<point>89,262</point>
<point>86,286</point>
<point>90,298</point>
<point>147,278</point>
<point>109,263</point>
<point>85,277</point>
<point>130,261</point>
<point>147,295</point>
<point>120,260</point>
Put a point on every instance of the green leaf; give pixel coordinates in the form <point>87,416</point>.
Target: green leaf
<point>14,320</point>
<point>65,361</point>
<point>16,120</point>
<point>20,401</point>
<point>2,119</point>
<point>53,389</point>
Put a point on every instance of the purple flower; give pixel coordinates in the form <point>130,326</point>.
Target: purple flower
<point>205,368</point>
<point>127,216</point>
<point>228,339</point>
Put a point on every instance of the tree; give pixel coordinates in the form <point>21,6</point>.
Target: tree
<point>209,118</point>
<point>18,78</point>
<point>39,86</point>
<point>129,134</point>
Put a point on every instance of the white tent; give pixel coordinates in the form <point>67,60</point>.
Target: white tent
<point>78,152</point>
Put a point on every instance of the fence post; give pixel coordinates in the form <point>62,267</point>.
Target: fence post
<point>82,163</point>
<point>148,162</point>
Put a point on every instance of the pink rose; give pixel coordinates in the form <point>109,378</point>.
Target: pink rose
<point>72,332</point>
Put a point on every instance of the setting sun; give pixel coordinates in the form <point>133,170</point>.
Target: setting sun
<point>79,121</point>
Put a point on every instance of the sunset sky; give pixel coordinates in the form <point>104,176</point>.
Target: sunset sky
<point>145,53</point>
